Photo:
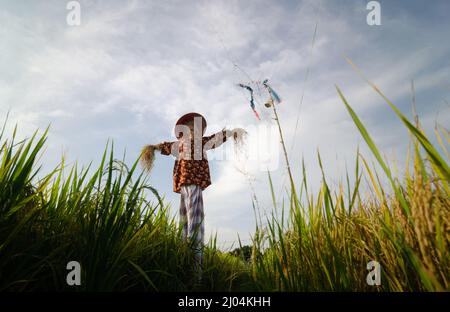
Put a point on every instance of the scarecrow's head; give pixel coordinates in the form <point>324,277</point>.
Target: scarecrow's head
<point>189,125</point>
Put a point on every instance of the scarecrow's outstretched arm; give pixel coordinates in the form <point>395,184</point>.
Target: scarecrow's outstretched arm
<point>217,139</point>
<point>167,148</point>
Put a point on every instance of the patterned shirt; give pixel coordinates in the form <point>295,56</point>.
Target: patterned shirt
<point>191,164</point>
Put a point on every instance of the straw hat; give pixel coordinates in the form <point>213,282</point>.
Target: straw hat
<point>185,119</point>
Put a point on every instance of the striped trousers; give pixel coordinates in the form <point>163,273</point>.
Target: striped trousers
<point>191,221</point>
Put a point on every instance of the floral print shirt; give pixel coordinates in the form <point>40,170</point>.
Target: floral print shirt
<point>191,164</point>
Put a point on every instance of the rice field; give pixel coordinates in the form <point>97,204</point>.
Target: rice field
<point>116,225</point>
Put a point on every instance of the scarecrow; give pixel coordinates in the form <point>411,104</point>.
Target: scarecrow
<point>191,174</point>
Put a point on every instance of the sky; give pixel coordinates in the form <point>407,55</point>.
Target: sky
<point>132,68</point>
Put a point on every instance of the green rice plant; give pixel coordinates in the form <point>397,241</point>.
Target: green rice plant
<point>329,239</point>
<point>102,219</point>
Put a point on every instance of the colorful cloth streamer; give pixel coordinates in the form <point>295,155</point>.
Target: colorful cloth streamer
<point>252,102</point>
<point>275,96</point>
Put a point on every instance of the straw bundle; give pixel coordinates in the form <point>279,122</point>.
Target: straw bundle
<point>147,157</point>
<point>240,138</point>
